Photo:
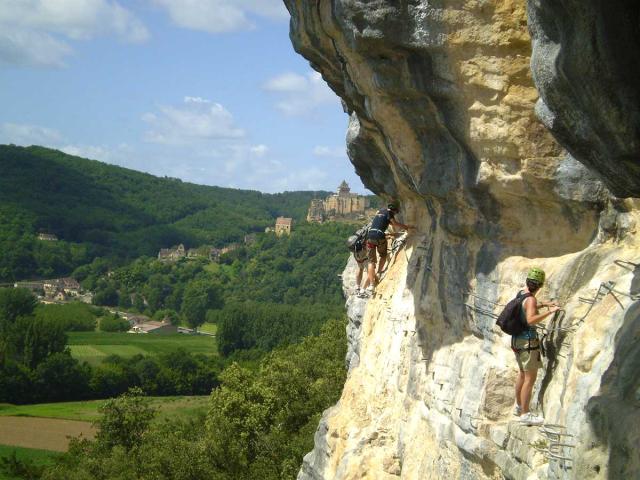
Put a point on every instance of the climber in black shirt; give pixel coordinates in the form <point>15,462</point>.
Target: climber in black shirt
<point>377,242</point>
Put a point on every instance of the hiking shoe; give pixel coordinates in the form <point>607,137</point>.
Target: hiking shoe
<point>517,410</point>
<point>531,419</point>
<point>363,293</point>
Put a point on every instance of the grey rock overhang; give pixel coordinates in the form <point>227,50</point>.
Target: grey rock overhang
<point>399,53</point>
<point>585,64</point>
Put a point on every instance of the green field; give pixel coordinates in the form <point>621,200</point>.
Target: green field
<point>38,457</point>
<point>211,328</point>
<point>93,347</point>
<point>168,407</point>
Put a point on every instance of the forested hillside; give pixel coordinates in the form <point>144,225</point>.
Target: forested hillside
<point>96,209</point>
<point>275,291</point>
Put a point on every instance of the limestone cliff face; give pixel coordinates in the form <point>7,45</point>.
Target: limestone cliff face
<point>442,109</point>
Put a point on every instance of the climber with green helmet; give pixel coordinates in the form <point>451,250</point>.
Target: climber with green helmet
<point>526,345</point>
<point>377,242</point>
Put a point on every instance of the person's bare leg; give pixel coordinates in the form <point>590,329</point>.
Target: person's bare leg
<point>371,274</point>
<point>519,383</point>
<point>527,388</point>
<point>381,263</point>
<point>359,275</point>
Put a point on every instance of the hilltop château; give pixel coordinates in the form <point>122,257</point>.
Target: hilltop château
<point>341,205</point>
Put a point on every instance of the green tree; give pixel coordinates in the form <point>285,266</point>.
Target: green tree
<point>199,296</point>
<point>14,303</point>
<point>61,378</point>
<point>107,295</point>
<point>124,420</point>
<point>113,323</point>
<point>36,339</point>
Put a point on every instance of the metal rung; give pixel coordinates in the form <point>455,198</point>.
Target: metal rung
<point>586,300</point>
<point>622,263</point>
<point>559,446</point>
<point>476,419</point>
<point>559,457</point>
<point>632,296</point>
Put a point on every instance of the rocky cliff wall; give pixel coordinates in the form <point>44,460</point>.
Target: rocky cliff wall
<point>442,106</point>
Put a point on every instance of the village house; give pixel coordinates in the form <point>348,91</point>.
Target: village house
<point>250,239</point>
<point>195,253</point>
<point>68,286</point>
<point>47,237</point>
<point>153,326</point>
<point>229,248</point>
<point>214,254</point>
<point>283,226</point>
<point>60,296</point>
<point>172,254</point>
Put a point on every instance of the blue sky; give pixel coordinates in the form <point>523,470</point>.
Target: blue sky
<point>209,91</point>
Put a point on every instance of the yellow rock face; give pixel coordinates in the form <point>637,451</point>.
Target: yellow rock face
<point>442,118</point>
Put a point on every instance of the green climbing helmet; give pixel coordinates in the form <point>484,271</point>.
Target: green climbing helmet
<point>392,206</point>
<point>536,274</point>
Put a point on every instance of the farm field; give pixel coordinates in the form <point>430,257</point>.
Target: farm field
<point>42,433</point>
<point>93,347</point>
<point>210,328</point>
<point>182,407</point>
<point>38,457</point>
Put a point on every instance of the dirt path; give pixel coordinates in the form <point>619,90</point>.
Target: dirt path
<point>42,433</point>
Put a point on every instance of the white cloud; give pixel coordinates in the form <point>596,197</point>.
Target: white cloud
<point>33,32</point>
<point>196,120</point>
<point>303,179</point>
<point>335,152</point>
<point>26,47</point>
<point>288,83</point>
<point>219,16</point>
<point>259,150</point>
<point>25,135</point>
<point>302,94</point>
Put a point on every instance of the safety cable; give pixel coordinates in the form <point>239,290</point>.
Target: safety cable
<point>472,294</point>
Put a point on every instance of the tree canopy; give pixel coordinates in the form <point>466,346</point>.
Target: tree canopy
<point>101,210</point>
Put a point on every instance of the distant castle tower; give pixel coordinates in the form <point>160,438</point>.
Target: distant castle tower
<point>343,189</point>
<point>342,204</point>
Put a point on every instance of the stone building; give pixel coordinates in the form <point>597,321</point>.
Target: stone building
<point>172,254</point>
<point>283,226</point>
<point>47,237</point>
<point>316,211</point>
<point>342,204</point>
